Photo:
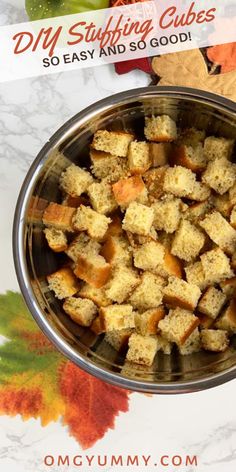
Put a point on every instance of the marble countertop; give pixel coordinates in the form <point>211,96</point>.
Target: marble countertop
<point>202,424</point>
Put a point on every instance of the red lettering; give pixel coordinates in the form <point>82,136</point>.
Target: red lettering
<point>210,15</point>
<point>164,463</point>
<point>47,42</point>
<point>73,32</point>
<point>48,460</point>
<point>20,37</point>
<point>167,13</point>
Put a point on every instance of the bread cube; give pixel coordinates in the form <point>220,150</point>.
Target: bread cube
<point>191,136</point>
<point>75,202</point>
<point>114,142</point>
<point>86,219</point>
<point>215,340</point>
<point>195,275</point>
<point>154,181</point>
<point>56,239</point>
<point>115,226</point>
<point>142,349</point>
<point>147,322</point>
<point>106,166</point>
<point>118,339</point>
<point>160,128</point>
<point>178,325</point>
<point>179,181</point>
<point>138,157</point>
<point>216,266</point>
<point>233,217</point>
<point>188,156</point>
<point>179,293</point>
<point>200,192</point>
<point>205,321</point>
<point>97,295</point>
<point>138,219</point>
<point>167,214</point>
<point>211,302</point>
<point>58,216</point>
<point>196,211</point>
<point>220,175</point>
<point>232,195</point>
<point>81,310</point>
<point>97,326</point>
<point>116,317</point>
<point>223,204</point>
<point>228,287</point>
<point>188,241</point>
<point>128,190</point>
<point>149,255</point>
<point>101,197</point>
<point>122,283</point>
<point>93,269</point>
<point>63,283</point>
<point>192,344</point>
<point>171,266</point>
<point>220,231</point>
<point>215,148</point>
<point>116,250</point>
<point>227,320</point>
<point>75,180</point>
<point>82,244</point>
<point>149,292</point>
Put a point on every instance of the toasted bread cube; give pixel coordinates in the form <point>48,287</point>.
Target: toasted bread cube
<point>116,317</point>
<point>118,339</point>
<point>154,181</point>
<point>142,349</point>
<point>188,241</point>
<point>223,204</point>
<point>228,287</point>
<point>232,195</point>
<point>122,283</point>
<point>216,266</point>
<point>97,326</point>
<point>192,344</point>
<point>115,227</point>
<point>93,269</point>
<point>82,244</point>
<point>56,239</point>
<point>228,319</point>
<point>75,202</point>
<point>114,142</point>
<point>63,283</point>
<point>106,166</point>
<point>149,293</point>
<point>233,217</point>
<point>179,181</point>
<point>171,266</point>
<point>147,322</point>
<point>195,275</point>
<point>149,255</point>
<point>211,302</point>
<point>58,216</point>
<point>116,250</point>
<point>215,148</point>
<point>220,175</point>
<point>196,211</point>
<point>75,180</point>
<point>127,190</point>
<point>200,192</point>
<point>81,310</point>
<point>97,295</point>
<point>101,197</point>
<point>191,136</point>
<point>138,219</point>
<point>215,340</point>
<point>188,156</point>
<point>138,157</point>
<point>159,153</point>
<point>167,214</point>
<point>160,128</point>
<point>205,321</point>
<point>179,293</point>
<point>220,231</point>
<point>86,219</point>
<point>136,239</point>
<point>178,325</point>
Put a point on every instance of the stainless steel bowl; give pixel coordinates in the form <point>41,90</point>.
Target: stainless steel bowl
<point>33,259</point>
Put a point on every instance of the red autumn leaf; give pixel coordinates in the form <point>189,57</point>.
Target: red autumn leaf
<point>223,55</point>
<point>142,63</point>
<point>90,404</point>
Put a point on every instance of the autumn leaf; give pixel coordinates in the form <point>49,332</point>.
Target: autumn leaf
<point>223,55</point>
<point>188,69</point>
<point>37,382</point>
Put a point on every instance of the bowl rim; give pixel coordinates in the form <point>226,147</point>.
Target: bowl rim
<point>65,348</point>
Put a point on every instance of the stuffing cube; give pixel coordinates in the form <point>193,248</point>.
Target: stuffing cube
<point>86,219</point>
<point>149,292</point>
<point>200,192</point>
<point>82,244</point>
<point>223,204</point>
<point>147,323</point>
<point>179,181</point>
<point>178,325</point>
<point>167,214</point>
<point>191,136</point>
<point>81,310</point>
<point>160,128</point>
<point>216,266</point>
<point>97,295</point>
<point>101,197</point>
<point>212,302</point>
<point>215,148</point>
<point>195,275</point>
<point>93,269</point>
<point>128,190</point>
<point>220,231</point>
<point>116,250</point>
<point>63,283</point>
<point>118,339</point>
<point>56,239</point>
<point>115,142</point>
<point>192,344</point>
<point>116,317</point>
<point>215,340</point>
<point>122,283</point>
<point>97,326</point>
<point>227,320</point>
<point>149,256</point>
<point>179,293</point>
<point>188,156</point>
<point>196,211</point>
<point>154,181</point>
<point>188,241</point>
<point>228,287</point>
<point>159,153</point>
<point>106,166</point>
<point>138,219</point>
<point>138,157</point>
<point>75,180</point>
<point>142,349</point>
<point>59,216</point>
<point>220,175</point>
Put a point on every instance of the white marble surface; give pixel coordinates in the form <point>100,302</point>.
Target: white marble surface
<point>204,423</point>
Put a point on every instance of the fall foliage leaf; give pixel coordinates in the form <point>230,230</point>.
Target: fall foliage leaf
<point>37,382</point>
<point>188,68</point>
<point>223,55</point>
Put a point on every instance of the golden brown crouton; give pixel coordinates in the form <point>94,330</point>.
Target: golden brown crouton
<point>56,239</point>
<point>160,128</point>
<point>178,325</point>
<point>93,269</point>
<point>81,310</point>
<point>116,317</point>
<point>75,180</point>
<point>138,219</point>
<point>159,153</point>
<point>215,340</point>
<point>63,283</point>
<point>179,293</point>
<point>59,216</point>
<point>142,349</point>
<point>114,142</point>
<point>146,323</point>
<point>127,190</point>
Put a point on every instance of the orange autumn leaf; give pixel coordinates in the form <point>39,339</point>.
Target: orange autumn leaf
<point>223,55</point>
<point>37,382</point>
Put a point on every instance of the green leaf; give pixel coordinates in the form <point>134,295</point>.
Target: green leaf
<point>37,10</point>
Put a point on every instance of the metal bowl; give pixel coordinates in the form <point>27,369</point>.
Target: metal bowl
<point>33,259</point>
